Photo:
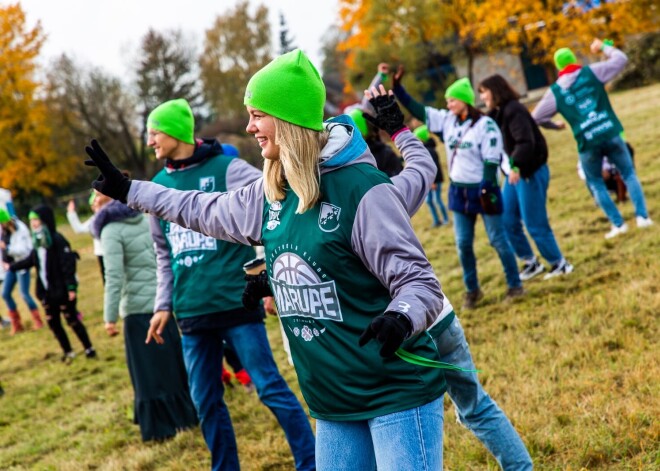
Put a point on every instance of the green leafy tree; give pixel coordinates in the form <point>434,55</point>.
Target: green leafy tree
<point>235,47</point>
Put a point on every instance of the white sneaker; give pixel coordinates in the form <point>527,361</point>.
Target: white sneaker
<point>560,268</point>
<point>643,222</point>
<point>615,231</point>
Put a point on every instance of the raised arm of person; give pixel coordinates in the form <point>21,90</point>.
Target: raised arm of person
<point>74,221</point>
<point>611,67</point>
<point>416,178</point>
<point>240,174</point>
<point>414,107</point>
<point>234,216</point>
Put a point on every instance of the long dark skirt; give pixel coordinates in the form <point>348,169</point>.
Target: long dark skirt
<point>162,399</point>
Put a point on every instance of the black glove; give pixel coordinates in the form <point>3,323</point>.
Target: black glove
<point>111,182</point>
<point>391,329</point>
<point>257,287</point>
<point>388,114</point>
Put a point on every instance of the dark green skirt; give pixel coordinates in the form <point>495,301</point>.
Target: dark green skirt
<point>162,399</point>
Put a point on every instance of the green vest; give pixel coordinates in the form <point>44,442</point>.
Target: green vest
<point>208,273</point>
<point>326,297</point>
<point>586,107</point>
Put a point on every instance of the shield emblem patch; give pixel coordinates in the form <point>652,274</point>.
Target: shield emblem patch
<point>329,217</point>
<point>207,184</point>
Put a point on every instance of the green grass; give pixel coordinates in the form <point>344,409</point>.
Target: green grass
<point>575,363</point>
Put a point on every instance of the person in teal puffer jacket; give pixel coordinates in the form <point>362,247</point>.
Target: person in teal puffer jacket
<point>162,400</point>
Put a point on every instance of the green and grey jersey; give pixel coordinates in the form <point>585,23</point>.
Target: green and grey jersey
<point>189,262</point>
<point>477,143</point>
<point>603,72</point>
<point>333,268</point>
<point>586,107</point>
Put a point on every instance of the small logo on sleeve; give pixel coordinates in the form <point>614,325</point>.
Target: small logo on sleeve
<point>329,217</point>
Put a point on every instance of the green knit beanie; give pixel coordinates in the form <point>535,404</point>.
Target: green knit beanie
<point>422,133</point>
<point>4,216</point>
<point>360,122</point>
<point>33,215</point>
<point>564,57</point>
<point>174,118</point>
<point>289,88</point>
<point>461,90</point>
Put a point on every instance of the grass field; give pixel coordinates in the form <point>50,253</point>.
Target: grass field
<point>575,363</point>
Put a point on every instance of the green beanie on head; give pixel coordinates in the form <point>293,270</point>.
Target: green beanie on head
<point>289,88</point>
<point>33,215</point>
<point>174,118</point>
<point>564,57</point>
<point>461,90</point>
<point>4,216</point>
<point>422,133</point>
<point>360,122</point>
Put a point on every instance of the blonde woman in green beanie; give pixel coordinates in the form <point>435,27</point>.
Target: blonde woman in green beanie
<point>579,95</point>
<point>343,262</point>
<point>473,145</point>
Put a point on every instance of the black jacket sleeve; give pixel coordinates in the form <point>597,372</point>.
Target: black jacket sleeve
<point>28,262</point>
<point>521,133</point>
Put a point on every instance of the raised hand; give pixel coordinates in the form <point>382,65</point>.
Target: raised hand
<point>111,182</point>
<point>398,76</point>
<point>388,114</point>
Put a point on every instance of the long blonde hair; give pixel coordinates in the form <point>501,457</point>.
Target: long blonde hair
<point>300,152</point>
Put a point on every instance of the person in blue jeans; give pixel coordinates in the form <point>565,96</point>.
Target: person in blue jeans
<point>526,187</point>
<point>473,145</point>
<point>579,95</point>
<point>200,281</point>
<point>434,196</point>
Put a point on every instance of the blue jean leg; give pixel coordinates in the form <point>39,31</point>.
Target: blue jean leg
<point>513,223</point>
<point>8,286</point>
<point>617,153</point>
<point>202,354</point>
<point>532,195</point>
<point>409,440</point>
<point>24,287</point>
<point>497,236</point>
<point>475,409</point>
<point>344,446</point>
<point>251,345</point>
<point>432,207</point>
<point>464,233</point>
<point>443,209</point>
<point>592,163</point>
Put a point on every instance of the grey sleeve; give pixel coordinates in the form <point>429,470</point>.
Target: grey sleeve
<point>384,240</point>
<point>240,174</point>
<point>546,108</point>
<point>416,178</point>
<point>234,216</point>
<point>610,68</point>
<point>164,274</point>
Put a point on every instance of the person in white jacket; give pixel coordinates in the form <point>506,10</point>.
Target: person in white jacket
<point>16,245</point>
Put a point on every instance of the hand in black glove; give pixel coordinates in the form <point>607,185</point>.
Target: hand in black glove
<point>388,114</point>
<point>398,76</point>
<point>391,329</point>
<point>257,288</point>
<point>111,182</point>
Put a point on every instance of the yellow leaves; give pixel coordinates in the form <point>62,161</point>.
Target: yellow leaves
<point>28,161</point>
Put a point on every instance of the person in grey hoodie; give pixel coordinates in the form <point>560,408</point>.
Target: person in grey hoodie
<point>162,404</point>
<point>344,264</point>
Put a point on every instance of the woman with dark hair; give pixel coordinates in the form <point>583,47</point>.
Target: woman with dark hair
<point>525,189</point>
<point>473,145</point>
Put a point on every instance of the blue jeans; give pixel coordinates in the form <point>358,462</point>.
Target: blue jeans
<point>23,278</point>
<point>474,407</point>
<point>525,202</point>
<point>434,201</point>
<point>202,353</point>
<point>409,440</point>
<point>464,231</point>
<point>617,153</point>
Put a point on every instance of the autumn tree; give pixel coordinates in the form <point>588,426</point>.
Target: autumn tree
<point>28,161</point>
<point>235,47</point>
<point>165,69</point>
<point>90,103</point>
